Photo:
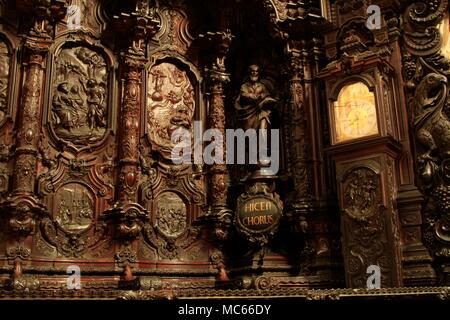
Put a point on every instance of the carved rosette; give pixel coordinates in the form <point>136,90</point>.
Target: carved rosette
<point>426,71</point>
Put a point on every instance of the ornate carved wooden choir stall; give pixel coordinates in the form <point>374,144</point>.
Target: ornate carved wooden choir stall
<point>92,93</point>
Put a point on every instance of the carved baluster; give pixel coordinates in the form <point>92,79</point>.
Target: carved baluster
<point>302,205</point>
<point>129,216</point>
<point>216,119</point>
<point>23,208</point>
<point>130,114</point>
<point>220,215</point>
<point>299,155</point>
<point>217,79</point>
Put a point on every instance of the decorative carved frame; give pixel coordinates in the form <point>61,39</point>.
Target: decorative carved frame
<point>68,41</point>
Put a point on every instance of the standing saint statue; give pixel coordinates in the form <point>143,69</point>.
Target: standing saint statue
<point>254,104</point>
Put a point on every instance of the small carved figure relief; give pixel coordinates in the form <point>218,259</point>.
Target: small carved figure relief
<point>361,195</point>
<point>74,206</point>
<point>170,105</point>
<point>79,103</point>
<point>171,215</point>
<point>4,79</point>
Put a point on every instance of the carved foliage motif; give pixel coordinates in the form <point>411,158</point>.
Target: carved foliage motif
<point>170,105</point>
<point>79,96</point>
<point>427,74</point>
<point>4,79</point>
<point>24,171</point>
<point>363,227</point>
<point>170,248</point>
<point>174,30</point>
<point>75,244</point>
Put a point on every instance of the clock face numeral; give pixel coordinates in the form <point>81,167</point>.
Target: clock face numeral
<point>355,114</point>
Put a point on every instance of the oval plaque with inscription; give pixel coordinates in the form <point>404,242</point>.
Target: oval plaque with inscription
<point>258,214</point>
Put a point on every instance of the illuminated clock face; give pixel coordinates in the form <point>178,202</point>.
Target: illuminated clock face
<point>355,114</point>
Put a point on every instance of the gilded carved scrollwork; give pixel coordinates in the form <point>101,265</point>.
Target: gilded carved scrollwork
<point>171,247</point>
<point>174,33</point>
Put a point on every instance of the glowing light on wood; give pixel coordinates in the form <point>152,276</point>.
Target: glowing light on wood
<point>444,29</point>
<point>355,114</point>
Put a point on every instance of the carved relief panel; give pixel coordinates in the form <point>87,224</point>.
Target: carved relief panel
<point>77,192</point>
<point>171,215</point>
<point>369,224</point>
<point>74,207</point>
<point>78,111</point>
<point>170,105</point>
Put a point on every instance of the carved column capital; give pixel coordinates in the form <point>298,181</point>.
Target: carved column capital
<point>135,28</point>
<point>216,80</point>
<point>218,45</point>
<point>294,65</point>
<point>42,14</point>
<point>133,63</point>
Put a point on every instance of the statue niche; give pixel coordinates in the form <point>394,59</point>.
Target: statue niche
<point>79,99</point>
<point>170,105</point>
